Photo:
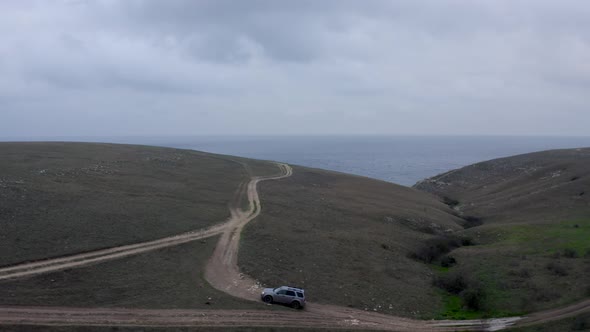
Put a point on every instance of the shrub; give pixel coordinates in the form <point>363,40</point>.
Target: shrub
<point>474,297</point>
<point>435,247</point>
<point>557,268</point>
<point>450,201</point>
<point>570,253</point>
<point>471,221</point>
<point>466,242</point>
<point>462,284</point>
<point>453,283</point>
<point>448,261</point>
<point>581,323</point>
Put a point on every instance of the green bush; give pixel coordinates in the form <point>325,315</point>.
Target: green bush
<point>570,253</point>
<point>461,283</point>
<point>474,297</point>
<point>448,261</point>
<point>557,268</point>
<point>581,323</point>
<point>435,247</point>
<point>453,283</point>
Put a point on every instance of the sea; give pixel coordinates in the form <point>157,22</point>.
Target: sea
<point>399,159</point>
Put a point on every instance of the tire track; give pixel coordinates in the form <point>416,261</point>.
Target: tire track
<point>222,270</point>
<point>97,256</point>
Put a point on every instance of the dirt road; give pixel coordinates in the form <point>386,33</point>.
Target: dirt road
<point>224,274</point>
<point>67,262</point>
<point>205,318</point>
<point>222,270</point>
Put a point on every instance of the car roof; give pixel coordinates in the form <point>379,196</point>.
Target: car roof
<point>297,289</point>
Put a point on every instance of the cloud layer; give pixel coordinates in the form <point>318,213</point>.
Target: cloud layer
<point>294,67</point>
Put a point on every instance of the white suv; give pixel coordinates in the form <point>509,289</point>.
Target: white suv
<point>293,296</point>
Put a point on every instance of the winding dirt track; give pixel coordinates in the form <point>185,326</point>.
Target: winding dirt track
<point>223,273</point>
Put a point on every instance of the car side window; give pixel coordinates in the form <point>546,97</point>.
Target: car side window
<point>281,292</point>
<point>299,294</point>
<point>290,293</point>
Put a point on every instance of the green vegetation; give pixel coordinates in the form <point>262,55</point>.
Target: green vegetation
<point>568,238</point>
<point>525,264</point>
<point>435,248</point>
<point>501,279</point>
<point>454,308</point>
<point>65,198</point>
<point>167,278</point>
<point>528,215</point>
<point>465,296</point>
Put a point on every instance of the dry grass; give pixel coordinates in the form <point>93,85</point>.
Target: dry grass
<point>346,239</point>
<point>168,278</point>
<point>63,198</point>
<point>538,187</point>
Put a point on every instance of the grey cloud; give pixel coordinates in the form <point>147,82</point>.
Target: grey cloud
<point>295,67</point>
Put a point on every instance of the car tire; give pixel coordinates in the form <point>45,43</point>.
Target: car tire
<point>295,305</point>
<point>267,299</point>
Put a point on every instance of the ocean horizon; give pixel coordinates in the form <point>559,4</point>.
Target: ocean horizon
<point>403,160</point>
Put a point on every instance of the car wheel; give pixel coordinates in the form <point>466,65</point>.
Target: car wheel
<point>267,299</point>
<point>295,305</point>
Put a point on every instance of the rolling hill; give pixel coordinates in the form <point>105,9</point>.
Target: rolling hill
<point>498,238</point>
<point>65,198</point>
<point>530,215</point>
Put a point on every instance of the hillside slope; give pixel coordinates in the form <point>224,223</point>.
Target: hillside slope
<point>347,239</point>
<point>530,216</point>
<point>64,198</point>
<point>544,186</point>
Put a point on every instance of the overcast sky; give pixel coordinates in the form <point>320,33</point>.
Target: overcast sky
<point>294,67</point>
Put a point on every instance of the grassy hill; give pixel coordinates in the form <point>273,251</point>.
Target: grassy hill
<point>536,187</point>
<point>168,278</point>
<point>497,238</point>
<point>63,198</point>
<point>347,240</point>
<point>530,215</point>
